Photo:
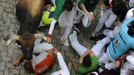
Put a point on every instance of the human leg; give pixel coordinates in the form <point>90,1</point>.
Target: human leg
<point>101,22</point>
<point>104,59</point>
<point>76,45</point>
<point>97,49</point>
<point>111,19</point>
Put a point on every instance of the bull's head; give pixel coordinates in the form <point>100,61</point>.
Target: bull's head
<point>26,41</point>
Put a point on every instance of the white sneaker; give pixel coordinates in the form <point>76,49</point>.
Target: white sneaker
<point>94,73</point>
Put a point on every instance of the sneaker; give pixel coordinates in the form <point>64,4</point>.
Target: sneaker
<point>96,38</point>
<point>103,67</point>
<point>76,29</point>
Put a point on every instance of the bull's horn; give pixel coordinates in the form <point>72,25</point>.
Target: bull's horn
<point>39,35</point>
<point>14,38</point>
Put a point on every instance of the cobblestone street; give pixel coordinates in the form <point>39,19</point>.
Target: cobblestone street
<point>9,26</point>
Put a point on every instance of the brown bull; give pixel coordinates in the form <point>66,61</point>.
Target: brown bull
<point>29,14</point>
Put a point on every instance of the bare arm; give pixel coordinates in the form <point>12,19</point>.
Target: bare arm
<point>83,8</point>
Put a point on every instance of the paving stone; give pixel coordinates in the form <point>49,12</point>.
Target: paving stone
<point>1,23</point>
<point>22,71</point>
<point>1,72</point>
<point>15,72</point>
<point>1,10</point>
<point>3,42</point>
<point>1,47</point>
<point>10,65</point>
<point>2,65</point>
<point>10,53</point>
<point>12,16</point>
<point>8,21</point>
<point>6,72</point>
<point>9,10</point>
<point>6,59</point>
<point>5,4</point>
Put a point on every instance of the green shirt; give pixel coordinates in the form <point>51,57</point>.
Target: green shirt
<point>86,69</point>
<point>89,4</point>
<point>59,8</point>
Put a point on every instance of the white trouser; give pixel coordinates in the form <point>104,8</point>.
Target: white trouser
<point>76,45</point>
<point>41,47</point>
<point>51,28</point>
<point>112,33</point>
<point>98,48</point>
<point>80,49</point>
<point>66,24</point>
<point>105,59</point>
<point>131,3</point>
<point>128,69</point>
<point>85,19</point>
<point>107,18</point>
<point>64,69</point>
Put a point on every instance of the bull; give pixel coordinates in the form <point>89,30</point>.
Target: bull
<point>29,14</point>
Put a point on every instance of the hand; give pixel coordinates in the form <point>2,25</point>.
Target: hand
<point>55,51</point>
<point>47,7</point>
<point>49,38</point>
<point>91,16</point>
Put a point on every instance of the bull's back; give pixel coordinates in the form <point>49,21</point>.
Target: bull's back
<point>34,7</point>
<point>29,14</point>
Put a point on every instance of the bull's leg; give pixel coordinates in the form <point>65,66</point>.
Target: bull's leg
<point>19,60</point>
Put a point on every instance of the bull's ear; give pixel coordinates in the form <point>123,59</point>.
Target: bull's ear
<point>39,35</point>
<point>14,38</point>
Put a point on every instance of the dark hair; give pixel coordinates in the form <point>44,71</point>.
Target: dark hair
<point>131,29</point>
<point>88,3</point>
<point>119,8</point>
<point>106,2</point>
<point>68,5</point>
<point>86,61</point>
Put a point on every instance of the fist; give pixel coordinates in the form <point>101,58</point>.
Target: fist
<point>49,38</point>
